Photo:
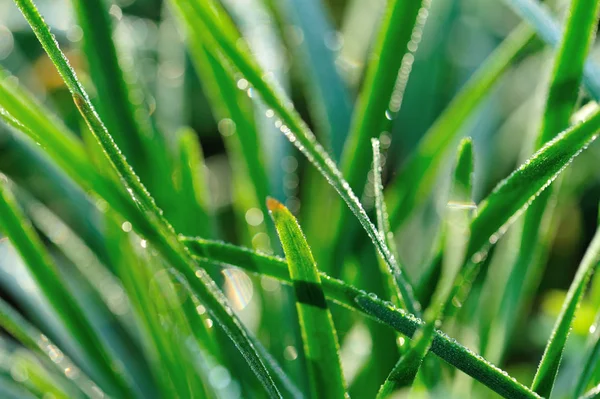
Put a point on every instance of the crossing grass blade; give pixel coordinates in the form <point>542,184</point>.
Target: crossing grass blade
<point>113,103</point>
<point>417,178</point>
<point>399,287</point>
<point>548,367</point>
<point>380,98</point>
<point>515,193</point>
<point>292,125</point>
<point>318,332</point>
<point>456,232</point>
<point>219,254</point>
<point>384,84</point>
<point>150,222</point>
<point>36,342</point>
<point>69,312</point>
<point>237,125</point>
<point>331,104</point>
<point>563,91</point>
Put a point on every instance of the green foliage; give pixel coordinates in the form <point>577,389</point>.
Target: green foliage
<point>114,282</point>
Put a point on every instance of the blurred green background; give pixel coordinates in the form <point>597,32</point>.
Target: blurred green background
<point>458,36</point>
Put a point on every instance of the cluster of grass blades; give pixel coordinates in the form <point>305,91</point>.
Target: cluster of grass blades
<point>114,276</point>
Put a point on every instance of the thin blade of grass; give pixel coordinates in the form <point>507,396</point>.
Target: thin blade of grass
<point>540,18</point>
<point>237,125</point>
<point>548,367</point>
<point>152,223</point>
<point>113,103</point>
<point>69,312</point>
<point>330,100</point>
<point>318,332</point>
<point>386,77</point>
<point>562,96</point>
<point>456,233</point>
<point>590,359</point>
<point>417,178</point>
<point>515,193</point>
<point>190,179</point>
<point>398,285</point>
<point>384,84</point>
<point>292,124</point>
<point>220,254</point>
<point>35,341</point>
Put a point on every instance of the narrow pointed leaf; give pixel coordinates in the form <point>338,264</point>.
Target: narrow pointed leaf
<point>512,195</point>
<point>44,272</point>
<point>220,253</point>
<point>318,332</point>
<point>152,223</point>
<point>417,178</point>
<point>400,289</point>
<point>548,367</point>
<point>456,232</point>
<point>292,125</point>
<point>332,106</point>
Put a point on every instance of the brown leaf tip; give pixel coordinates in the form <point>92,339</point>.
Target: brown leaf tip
<point>274,205</point>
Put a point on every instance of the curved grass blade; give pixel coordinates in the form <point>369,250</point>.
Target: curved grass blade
<point>514,194</point>
<point>114,107</point>
<point>386,77</point>
<point>151,223</point>
<point>219,254</point>
<point>562,96</point>
<point>417,178</point>
<point>292,124</point>
<point>190,179</point>
<point>399,286</point>
<point>27,167</point>
<point>46,275</point>
<point>239,130</point>
<point>537,14</point>
<point>456,232</point>
<point>318,332</point>
<point>330,100</point>
<point>380,99</point>
<point>35,341</point>
<point>591,358</point>
<point>548,367</point>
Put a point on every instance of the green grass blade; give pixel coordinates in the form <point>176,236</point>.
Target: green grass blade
<point>590,358</point>
<point>151,223</point>
<point>135,187</point>
<point>417,178</point>
<point>548,30</point>
<point>562,96</point>
<point>384,84</point>
<point>228,105</point>
<point>567,72</point>
<point>46,275</point>
<point>456,232</point>
<point>399,286</point>
<point>114,107</point>
<point>190,179</point>
<point>35,341</point>
<point>548,367</point>
<point>593,393</point>
<point>25,165</point>
<point>512,195</point>
<point>220,253</point>
<point>292,124</point>
<point>332,106</point>
<point>318,332</point>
